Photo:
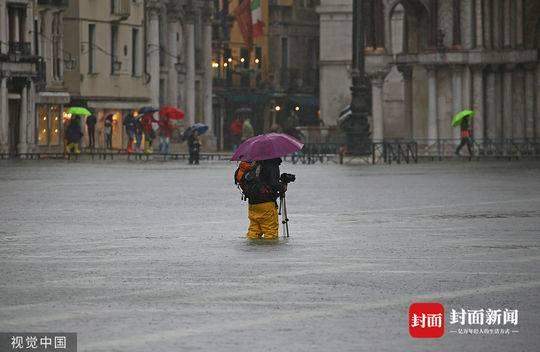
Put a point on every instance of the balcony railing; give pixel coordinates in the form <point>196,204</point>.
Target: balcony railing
<point>20,48</point>
<point>301,80</point>
<point>121,8</point>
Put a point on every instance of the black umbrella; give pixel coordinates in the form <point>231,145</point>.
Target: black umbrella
<point>244,110</point>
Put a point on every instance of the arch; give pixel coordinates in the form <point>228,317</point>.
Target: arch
<point>417,24</point>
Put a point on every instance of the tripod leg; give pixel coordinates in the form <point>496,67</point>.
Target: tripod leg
<point>286,224</point>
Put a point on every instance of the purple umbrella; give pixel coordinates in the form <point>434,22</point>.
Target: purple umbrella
<point>267,146</point>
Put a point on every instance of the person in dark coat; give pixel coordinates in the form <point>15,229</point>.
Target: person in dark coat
<point>74,135</point>
<point>129,124</point>
<point>263,209</point>
<point>91,128</point>
<point>194,146</point>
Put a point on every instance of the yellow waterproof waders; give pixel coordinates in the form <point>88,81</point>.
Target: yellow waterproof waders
<point>263,221</point>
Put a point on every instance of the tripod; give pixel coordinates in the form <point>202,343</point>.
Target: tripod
<point>283,213</point>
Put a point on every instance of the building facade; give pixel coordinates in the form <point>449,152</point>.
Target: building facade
<point>32,59</point>
<point>179,59</point>
<point>273,73</point>
<point>428,59</point>
<point>107,40</point>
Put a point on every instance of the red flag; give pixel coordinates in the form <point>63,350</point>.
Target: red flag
<point>242,14</point>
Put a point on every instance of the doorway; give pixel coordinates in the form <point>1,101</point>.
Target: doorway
<point>14,109</point>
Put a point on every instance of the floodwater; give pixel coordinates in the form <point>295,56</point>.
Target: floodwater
<point>147,256</point>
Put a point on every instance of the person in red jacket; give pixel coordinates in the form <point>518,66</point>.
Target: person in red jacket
<point>235,130</point>
<point>466,137</point>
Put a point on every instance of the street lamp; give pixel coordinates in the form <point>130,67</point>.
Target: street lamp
<point>356,126</point>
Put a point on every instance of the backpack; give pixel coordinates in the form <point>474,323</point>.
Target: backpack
<point>246,177</point>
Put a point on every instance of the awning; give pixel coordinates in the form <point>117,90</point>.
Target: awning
<point>305,100</point>
<point>245,97</point>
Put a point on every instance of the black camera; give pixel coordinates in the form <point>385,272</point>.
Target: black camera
<point>287,178</point>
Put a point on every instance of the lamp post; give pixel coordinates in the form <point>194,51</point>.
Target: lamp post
<point>357,126</point>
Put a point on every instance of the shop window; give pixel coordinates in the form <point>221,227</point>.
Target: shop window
<point>48,124</point>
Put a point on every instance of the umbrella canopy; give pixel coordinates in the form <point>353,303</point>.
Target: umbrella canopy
<point>201,128</point>
<point>267,146</point>
<point>147,109</point>
<point>171,113</point>
<point>76,110</point>
<point>458,118</point>
<point>243,110</point>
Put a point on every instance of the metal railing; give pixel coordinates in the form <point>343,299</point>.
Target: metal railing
<point>481,148</point>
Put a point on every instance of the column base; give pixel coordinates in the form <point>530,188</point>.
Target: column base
<point>22,148</point>
<point>209,142</point>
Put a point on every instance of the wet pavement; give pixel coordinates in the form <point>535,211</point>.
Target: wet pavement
<point>151,256</point>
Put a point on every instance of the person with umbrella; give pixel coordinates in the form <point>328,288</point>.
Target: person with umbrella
<point>259,178</point>
<point>149,134</point>
<point>462,119</point>
<point>74,135</point>
<point>194,143</point>
<point>166,128</point>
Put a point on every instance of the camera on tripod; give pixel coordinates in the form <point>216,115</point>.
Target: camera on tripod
<point>287,178</point>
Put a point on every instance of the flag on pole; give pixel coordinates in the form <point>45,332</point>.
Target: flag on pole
<point>242,14</point>
<point>256,18</point>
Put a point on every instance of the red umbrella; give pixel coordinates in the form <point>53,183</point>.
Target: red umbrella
<point>171,113</point>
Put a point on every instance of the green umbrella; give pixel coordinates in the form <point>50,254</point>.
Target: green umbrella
<point>458,118</point>
<point>75,110</point>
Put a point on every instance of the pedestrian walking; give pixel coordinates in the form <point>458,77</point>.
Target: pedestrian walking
<point>129,125</point>
<point>108,130</point>
<point>165,133</point>
<point>261,183</point>
<point>91,130</point>
<point>194,146</point>
<point>247,130</point>
<point>235,131</point>
<point>74,135</point>
<point>149,134</point>
<point>466,134</point>
<point>138,135</point>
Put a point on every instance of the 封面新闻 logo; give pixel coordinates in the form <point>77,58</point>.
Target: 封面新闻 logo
<point>426,320</point>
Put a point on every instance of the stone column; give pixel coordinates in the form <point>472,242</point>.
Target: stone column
<point>496,23</point>
<point>456,24</point>
<point>529,101</point>
<point>537,111</point>
<point>519,23</point>
<point>16,27</point>
<point>406,72</point>
<point>457,93</point>
<point>190,68</point>
<point>490,118</point>
<point>479,24</point>
<point>172,77</point>
<point>487,10</point>
<point>48,47</point>
<point>3,28</point>
<point>61,44</point>
<point>208,73</point>
<point>4,115</point>
<point>153,49</point>
<point>518,104</point>
<point>507,128</point>
<point>433,128</point>
<point>23,121</point>
<point>377,81</point>
<point>507,28</point>
<point>31,120</point>
<point>478,102</point>
<point>498,101</point>
<point>29,26</point>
